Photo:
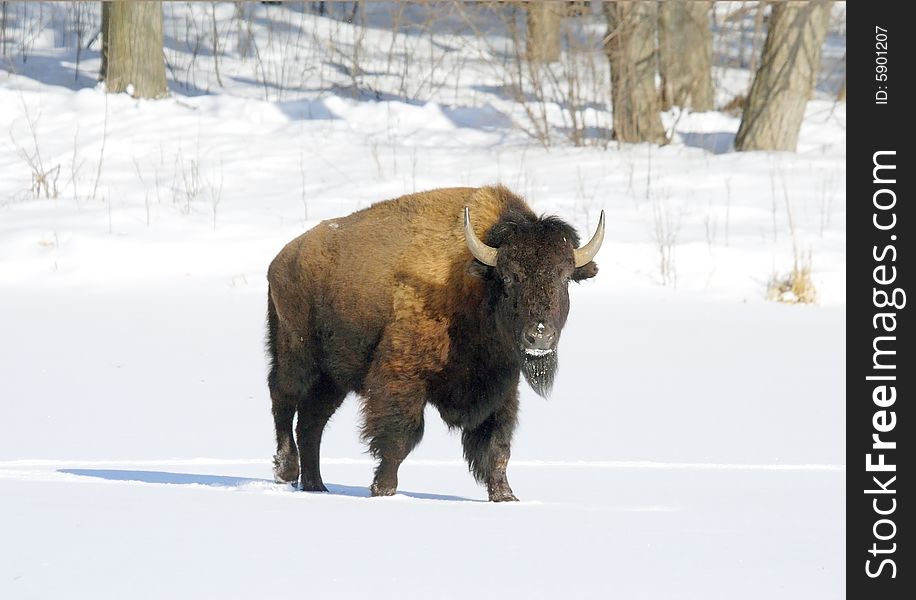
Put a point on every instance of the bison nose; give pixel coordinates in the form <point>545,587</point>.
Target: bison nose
<point>540,336</point>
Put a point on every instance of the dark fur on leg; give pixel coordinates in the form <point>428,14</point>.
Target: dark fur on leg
<point>392,433</point>
<point>487,448</point>
<point>315,410</point>
<point>286,460</point>
<point>297,387</point>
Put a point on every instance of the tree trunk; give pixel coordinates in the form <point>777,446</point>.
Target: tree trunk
<point>630,48</point>
<point>3,27</point>
<point>841,95</point>
<point>786,77</point>
<point>544,30</point>
<point>685,54</point>
<point>132,48</point>
<point>106,8</point>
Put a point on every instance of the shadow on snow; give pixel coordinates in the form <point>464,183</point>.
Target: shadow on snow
<point>718,142</point>
<point>224,481</point>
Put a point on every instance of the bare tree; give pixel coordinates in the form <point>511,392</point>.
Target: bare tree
<point>543,39</point>
<point>630,48</point>
<point>106,8</point>
<point>132,49</point>
<point>3,27</point>
<point>841,94</point>
<point>786,77</point>
<point>685,54</point>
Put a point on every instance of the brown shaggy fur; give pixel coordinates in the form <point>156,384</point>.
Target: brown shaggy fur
<point>389,303</point>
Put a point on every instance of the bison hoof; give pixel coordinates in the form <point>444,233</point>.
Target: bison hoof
<point>382,490</point>
<point>508,497</point>
<point>310,486</point>
<point>502,493</point>
<point>286,469</point>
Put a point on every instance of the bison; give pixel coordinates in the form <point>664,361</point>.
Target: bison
<point>443,297</point>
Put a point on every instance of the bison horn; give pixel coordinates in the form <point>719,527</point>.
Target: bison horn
<point>482,252</point>
<point>586,253</point>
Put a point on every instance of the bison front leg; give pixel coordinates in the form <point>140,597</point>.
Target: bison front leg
<point>393,427</point>
<point>487,449</point>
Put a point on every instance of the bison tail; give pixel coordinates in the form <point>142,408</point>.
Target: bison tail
<point>272,326</point>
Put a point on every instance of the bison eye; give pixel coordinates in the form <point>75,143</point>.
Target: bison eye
<point>507,280</point>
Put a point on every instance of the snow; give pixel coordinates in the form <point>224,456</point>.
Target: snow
<point>225,531</point>
<point>538,352</point>
<point>693,445</point>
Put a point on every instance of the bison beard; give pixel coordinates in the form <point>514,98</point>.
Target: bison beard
<point>404,304</point>
<point>539,371</point>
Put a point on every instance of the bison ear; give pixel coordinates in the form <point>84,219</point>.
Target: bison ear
<point>586,271</point>
<point>478,270</point>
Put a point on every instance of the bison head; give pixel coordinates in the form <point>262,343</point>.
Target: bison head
<point>528,263</point>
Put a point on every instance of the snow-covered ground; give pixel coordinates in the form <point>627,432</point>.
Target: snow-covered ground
<point>694,443</point>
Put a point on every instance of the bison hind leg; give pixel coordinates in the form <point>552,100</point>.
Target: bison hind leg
<point>315,410</point>
<point>286,460</point>
<point>297,460</point>
<point>289,376</point>
<point>286,467</point>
